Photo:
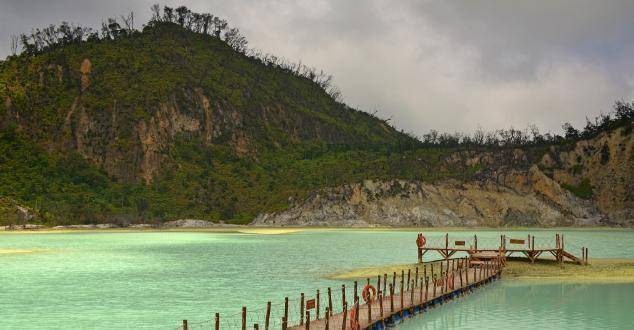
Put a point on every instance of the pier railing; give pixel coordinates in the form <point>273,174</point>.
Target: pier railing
<point>529,246</point>
<point>373,303</point>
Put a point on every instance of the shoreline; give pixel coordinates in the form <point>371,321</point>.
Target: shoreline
<point>599,270</point>
<point>252,229</point>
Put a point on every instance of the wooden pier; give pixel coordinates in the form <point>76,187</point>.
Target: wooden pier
<point>504,248</point>
<point>388,299</point>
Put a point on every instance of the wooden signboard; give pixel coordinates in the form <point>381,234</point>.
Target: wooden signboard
<point>310,304</point>
<point>517,241</point>
<point>459,243</point>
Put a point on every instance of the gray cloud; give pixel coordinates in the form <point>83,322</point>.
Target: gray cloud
<point>425,64</point>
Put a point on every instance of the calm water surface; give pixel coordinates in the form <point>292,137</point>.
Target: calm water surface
<point>154,279</point>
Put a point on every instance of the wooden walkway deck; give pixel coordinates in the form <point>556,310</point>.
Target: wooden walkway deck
<point>391,309</point>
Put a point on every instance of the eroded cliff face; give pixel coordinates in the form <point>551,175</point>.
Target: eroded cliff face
<point>508,191</point>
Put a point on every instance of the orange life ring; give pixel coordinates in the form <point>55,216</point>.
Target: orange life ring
<point>365,294</point>
<point>421,241</point>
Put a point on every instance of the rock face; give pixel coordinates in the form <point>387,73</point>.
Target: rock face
<point>522,194</point>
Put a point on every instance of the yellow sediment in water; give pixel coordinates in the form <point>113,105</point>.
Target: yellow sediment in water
<point>13,251</point>
<point>269,231</point>
<point>598,270</point>
<point>372,272</point>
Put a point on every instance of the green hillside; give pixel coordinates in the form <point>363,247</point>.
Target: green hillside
<point>238,136</point>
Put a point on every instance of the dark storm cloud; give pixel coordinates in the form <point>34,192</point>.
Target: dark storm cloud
<point>451,65</point>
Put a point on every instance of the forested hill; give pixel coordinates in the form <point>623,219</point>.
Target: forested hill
<point>169,122</point>
<point>182,120</point>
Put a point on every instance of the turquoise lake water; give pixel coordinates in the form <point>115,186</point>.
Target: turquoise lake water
<point>152,280</point>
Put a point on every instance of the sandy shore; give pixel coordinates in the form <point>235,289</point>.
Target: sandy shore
<point>599,270</point>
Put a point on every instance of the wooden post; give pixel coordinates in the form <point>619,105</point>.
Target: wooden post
<point>256,326</point>
<point>384,282</point>
<point>409,272</point>
<point>416,278</point>
<point>307,320</point>
<point>345,316</point>
<point>244,318</point>
<point>394,280</point>
<point>378,283</point>
<point>446,241</point>
<point>426,288</point>
<point>301,309</point>
<point>329,301</point>
<point>475,239</point>
<point>402,289</point>
<point>391,299</point>
<point>328,312</point>
<point>411,295</point>
<point>317,306</point>
<point>343,295</point>
<point>369,310</point>
<point>285,310</point>
<point>434,282</point>
<point>268,316</point>
<point>533,243</point>
<point>355,297</point>
<point>424,270</point>
<point>432,269</point>
<point>184,324</point>
<point>441,269</point>
<point>284,323</point>
<point>356,306</point>
<point>217,321</point>
<point>381,305</point>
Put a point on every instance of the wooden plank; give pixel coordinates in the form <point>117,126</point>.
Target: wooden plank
<point>460,243</point>
<point>517,241</point>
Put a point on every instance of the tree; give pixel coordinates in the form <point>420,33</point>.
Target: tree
<point>15,43</point>
<point>168,14</point>
<point>569,131</point>
<point>156,12</point>
<point>235,40</point>
<point>181,15</point>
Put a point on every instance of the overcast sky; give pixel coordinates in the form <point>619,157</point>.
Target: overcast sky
<point>446,65</point>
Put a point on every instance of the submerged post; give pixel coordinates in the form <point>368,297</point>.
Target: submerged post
<point>268,315</point>
<point>301,309</point>
<point>184,324</point>
<point>217,321</point>
<point>317,306</point>
<point>329,301</point>
<point>285,309</point>
<point>244,318</point>
<point>345,316</point>
<point>343,295</point>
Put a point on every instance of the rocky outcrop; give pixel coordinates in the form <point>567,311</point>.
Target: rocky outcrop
<point>512,189</point>
<point>412,203</point>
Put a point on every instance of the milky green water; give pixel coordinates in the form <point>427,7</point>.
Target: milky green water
<point>155,279</point>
